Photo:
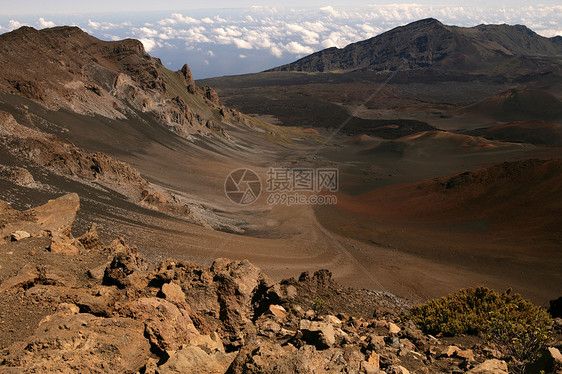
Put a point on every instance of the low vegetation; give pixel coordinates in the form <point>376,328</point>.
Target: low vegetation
<point>519,329</point>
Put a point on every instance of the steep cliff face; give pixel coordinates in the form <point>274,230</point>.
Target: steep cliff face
<point>65,68</point>
<point>430,44</point>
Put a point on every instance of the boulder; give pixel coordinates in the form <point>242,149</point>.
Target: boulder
<point>25,278</point>
<point>189,81</point>
<point>91,239</point>
<point>71,342</point>
<point>166,326</point>
<point>98,272</point>
<point>192,359</point>
<point>125,262</point>
<point>492,366</point>
<point>58,215</point>
<point>556,356</point>
<point>173,293</point>
<point>319,334</point>
<point>64,246</point>
<point>373,359</point>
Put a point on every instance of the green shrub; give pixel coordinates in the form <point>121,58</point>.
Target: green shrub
<point>519,336</point>
<point>517,327</point>
<point>319,305</point>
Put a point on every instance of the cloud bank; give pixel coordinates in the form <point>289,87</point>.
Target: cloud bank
<point>257,38</point>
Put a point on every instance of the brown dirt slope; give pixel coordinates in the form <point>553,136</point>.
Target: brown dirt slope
<point>532,132</point>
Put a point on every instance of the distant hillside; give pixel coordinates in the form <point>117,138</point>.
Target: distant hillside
<point>533,132</point>
<point>430,44</point>
<point>517,105</point>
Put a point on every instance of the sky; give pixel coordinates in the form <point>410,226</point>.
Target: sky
<point>240,37</point>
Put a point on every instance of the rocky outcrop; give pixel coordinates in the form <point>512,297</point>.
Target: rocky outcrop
<point>116,79</point>
<point>64,158</point>
<point>181,317</point>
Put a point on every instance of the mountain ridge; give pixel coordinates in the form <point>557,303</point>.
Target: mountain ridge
<point>113,79</point>
<point>428,43</point>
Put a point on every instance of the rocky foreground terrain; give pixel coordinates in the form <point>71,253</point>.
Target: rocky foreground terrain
<point>80,305</point>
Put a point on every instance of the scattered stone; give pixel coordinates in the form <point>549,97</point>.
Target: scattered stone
<point>376,342</point>
<point>397,369</point>
<point>555,357</point>
<point>374,360</point>
<point>278,311</point>
<point>450,351</point>
<point>183,317</point>
<point>291,292</point>
<point>333,320</point>
<point>309,314</point>
<point>467,354</point>
<point>19,235</point>
<point>393,328</point>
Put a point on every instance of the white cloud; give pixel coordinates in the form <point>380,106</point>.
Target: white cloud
<point>13,24</point>
<point>229,31</point>
<point>178,18</point>
<point>207,20</point>
<point>308,36</point>
<point>94,25</point>
<point>330,10</point>
<point>242,56</point>
<point>148,33</point>
<point>297,48</point>
<point>211,53</point>
<point>148,44</point>
<point>276,51</point>
<point>242,44</point>
<point>43,23</point>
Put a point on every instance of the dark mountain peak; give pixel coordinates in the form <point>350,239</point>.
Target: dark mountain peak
<point>429,44</point>
<point>59,31</point>
<point>426,21</point>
